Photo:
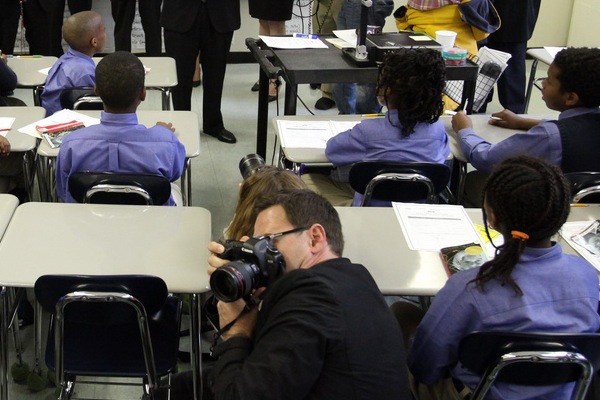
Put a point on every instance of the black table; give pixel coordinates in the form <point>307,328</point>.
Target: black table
<point>323,65</point>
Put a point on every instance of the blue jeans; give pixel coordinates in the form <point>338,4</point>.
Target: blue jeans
<point>352,98</point>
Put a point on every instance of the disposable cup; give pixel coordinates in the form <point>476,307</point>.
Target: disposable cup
<point>445,38</point>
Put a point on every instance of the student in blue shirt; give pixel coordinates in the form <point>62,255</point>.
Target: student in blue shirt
<point>530,285</point>
<point>86,36</point>
<point>410,84</point>
<point>571,142</point>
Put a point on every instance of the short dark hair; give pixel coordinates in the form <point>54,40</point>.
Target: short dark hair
<point>119,79</point>
<point>415,80</point>
<point>304,207</point>
<point>527,195</point>
<point>578,72</point>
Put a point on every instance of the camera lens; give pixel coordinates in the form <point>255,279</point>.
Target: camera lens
<point>250,163</point>
<point>234,280</point>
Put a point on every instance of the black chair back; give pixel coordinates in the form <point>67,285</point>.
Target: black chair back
<point>80,98</point>
<point>585,186</point>
<point>119,188</point>
<point>398,181</point>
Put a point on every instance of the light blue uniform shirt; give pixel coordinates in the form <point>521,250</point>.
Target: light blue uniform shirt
<point>119,144</point>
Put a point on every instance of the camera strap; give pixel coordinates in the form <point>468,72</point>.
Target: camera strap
<point>250,304</point>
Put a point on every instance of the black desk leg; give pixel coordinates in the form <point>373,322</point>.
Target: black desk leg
<point>530,83</point>
<point>290,99</point>
<point>263,114</point>
<point>469,94</point>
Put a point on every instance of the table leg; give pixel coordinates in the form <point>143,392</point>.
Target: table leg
<point>289,107</point>
<point>263,114</point>
<point>196,354</point>
<point>186,182</point>
<point>468,95</point>
<point>4,318</point>
<point>166,98</point>
<point>530,83</point>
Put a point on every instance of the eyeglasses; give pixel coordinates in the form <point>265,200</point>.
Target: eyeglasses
<point>280,234</point>
<point>538,82</point>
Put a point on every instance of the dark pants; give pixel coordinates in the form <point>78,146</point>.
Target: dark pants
<point>512,82</point>
<point>9,23</point>
<point>123,12</point>
<point>214,47</point>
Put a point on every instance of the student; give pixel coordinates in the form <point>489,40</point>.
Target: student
<point>571,142</point>
<point>410,85</point>
<point>530,286</point>
<point>119,143</point>
<point>86,36</point>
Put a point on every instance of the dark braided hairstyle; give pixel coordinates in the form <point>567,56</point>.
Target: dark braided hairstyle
<point>528,196</point>
<point>413,80</point>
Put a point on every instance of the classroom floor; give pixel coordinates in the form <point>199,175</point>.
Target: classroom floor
<point>215,180</point>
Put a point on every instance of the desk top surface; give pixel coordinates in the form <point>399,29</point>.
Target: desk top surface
<point>59,238</point>
<point>185,122</point>
<point>23,116</point>
<point>27,69</point>
<point>373,237</point>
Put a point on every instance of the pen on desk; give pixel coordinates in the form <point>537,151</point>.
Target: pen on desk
<point>305,36</point>
<point>373,115</point>
<point>579,205</point>
<point>496,118</point>
<point>33,56</point>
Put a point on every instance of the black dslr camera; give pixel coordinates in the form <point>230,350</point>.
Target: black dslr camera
<point>256,264</point>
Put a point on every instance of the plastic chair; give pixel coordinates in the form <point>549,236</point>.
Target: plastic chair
<point>534,359</point>
<point>119,188</point>
<point>585,186</point>
<point>109,326</point>
<point>80,98</point>
<point>400,182</point>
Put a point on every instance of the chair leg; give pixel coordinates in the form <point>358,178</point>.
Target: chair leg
<point>66,390</point>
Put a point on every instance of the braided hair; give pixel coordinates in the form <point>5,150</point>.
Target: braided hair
<point>530,199</point>
<point>412,80</point>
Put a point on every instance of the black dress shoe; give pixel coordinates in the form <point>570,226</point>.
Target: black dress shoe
<point>324,103</point>
<point>255,87</point>
<point>197,83</point>
<point>223,135</point>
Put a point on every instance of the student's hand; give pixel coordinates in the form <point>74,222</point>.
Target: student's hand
<point>4,146</point>
<point>505,119</point>
<point>167,125</point>
<point>3,57</point>
<point>461,121</point>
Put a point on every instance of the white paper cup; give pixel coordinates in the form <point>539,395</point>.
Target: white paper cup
<point>445,38</point>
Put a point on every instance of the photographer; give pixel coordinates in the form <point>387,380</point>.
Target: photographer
<point>320,331</point>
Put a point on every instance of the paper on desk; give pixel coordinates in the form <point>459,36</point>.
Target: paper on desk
<point>310,134</point>
<point>290,42</point>
<point>56,118</point>
<point>570,229</point>
<point>348,35</point>
<point>553,50</point>
<point>486,54</point>
<point>44,71</point>
<point>5,125</point>
<point>340,43</point>
<point>435,226</point>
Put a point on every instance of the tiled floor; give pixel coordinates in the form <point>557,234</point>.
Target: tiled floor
<point>215,177</point>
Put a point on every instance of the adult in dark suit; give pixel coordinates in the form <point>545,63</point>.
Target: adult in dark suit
<point>205,27</point>
<point>123,13</point>
<point>518,21</point>
<point>9,23</point>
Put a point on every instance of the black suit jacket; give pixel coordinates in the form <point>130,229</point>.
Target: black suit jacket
<point>179,15</point>
<point>518,19</point>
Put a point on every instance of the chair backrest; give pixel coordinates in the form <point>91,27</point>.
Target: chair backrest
<point>533,359</point>
<point>80,98</point>
<point>398,181</point>
<point>585,186</point>
<point>110,325</point>
<point>119,188</point>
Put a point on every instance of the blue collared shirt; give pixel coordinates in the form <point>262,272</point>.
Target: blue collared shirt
<point>543,141</point>
<point>560,294</point>
<point>72,69</point>
<point>119,144</point>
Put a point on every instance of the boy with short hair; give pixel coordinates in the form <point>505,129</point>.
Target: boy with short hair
<point>119,143</point>
<point>571,142</point>
<point>86,36</point>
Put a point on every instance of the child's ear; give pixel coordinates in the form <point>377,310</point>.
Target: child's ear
<point>96,91</point>
<point>571,99</point>
<point>142,96</point>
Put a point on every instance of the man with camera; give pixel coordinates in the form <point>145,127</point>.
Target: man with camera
<point>298,320</point>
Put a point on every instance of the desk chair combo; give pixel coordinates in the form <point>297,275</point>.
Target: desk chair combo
<point>534,359</point>
<point>119,188</point>
<point>109,326</point>
<point>400,182</point>
<point>585,186</point>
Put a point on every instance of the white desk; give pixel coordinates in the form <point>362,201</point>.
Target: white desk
<point>20,142</point>
<point>162,76</point>
<point>187,131</point>
<point>56,238</point>
<point>373,237</point>
<point>27,69</point>
<point>8,205</point>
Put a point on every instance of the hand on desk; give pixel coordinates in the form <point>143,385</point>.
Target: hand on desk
<point>508,119</point>
<point>167,125</point>
<point>4,146</point>
<point>461,121</point>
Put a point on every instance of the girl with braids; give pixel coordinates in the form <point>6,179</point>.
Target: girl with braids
<point>530,285</point>
<point>410,85</point>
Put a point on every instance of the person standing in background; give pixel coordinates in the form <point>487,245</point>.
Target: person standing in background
<point>206,27</point>
<point>123,13</point>
<point>9,23</point>
<point>518,22</point>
